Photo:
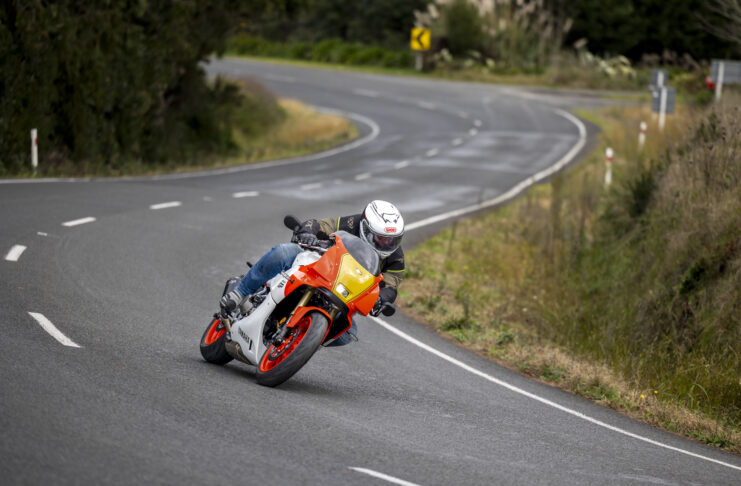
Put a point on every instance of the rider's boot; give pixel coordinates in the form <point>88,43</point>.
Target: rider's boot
<point>231,300</point>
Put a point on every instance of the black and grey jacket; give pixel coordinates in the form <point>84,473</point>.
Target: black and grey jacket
<point>392,267</point>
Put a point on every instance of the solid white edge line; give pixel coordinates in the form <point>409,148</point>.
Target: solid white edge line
<point>15,253</point>
<point>545,401</point>
<point>517,189</point>
<point>77,222</point>
<point>385,477</point>
<point>238,195</point>
<point>363,176</point>
<point>171,204</point>
<point>309,187</point>
<point>375,131</point>
<point>52,330</point>
<point>492,202</point>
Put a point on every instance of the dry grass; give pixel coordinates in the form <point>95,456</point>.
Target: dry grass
<point>629,296</point>
<point>303,131</point>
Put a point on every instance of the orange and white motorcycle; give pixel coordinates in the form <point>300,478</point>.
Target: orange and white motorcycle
<point>281,326</point>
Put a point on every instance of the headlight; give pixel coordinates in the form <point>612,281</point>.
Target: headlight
<point>342,290</point>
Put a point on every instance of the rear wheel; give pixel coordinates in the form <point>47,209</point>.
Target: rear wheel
<point>279,363</point>
<point>213,343</point>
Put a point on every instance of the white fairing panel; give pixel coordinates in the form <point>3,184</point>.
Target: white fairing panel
<point>248,331</point>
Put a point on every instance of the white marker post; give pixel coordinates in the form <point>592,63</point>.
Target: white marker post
<point>642,136</point>
<point>34,150</point>
<point>608,168</point>
<point>719,83</point>
<point>662,108</point>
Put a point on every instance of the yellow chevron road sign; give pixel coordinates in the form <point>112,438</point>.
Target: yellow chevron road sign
<point>420,39</point>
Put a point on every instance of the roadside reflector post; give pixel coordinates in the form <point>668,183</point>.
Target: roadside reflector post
<point>608,166</point>
<point>34,150</point>
<point>642,136</point>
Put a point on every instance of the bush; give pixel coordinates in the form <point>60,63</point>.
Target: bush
<point>329,50</point>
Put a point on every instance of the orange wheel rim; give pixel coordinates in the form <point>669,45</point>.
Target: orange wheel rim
<point>215,331</point>
<point>275,355</point>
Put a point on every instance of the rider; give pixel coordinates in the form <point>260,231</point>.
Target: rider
<point>380,225</point>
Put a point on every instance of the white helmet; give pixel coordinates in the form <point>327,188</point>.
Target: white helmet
<point>382,227</point>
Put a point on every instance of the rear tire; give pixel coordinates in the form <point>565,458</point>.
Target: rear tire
<point>213,343</point>
<point>279,364</point>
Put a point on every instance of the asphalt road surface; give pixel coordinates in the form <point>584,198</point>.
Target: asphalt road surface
<point>128,272</point>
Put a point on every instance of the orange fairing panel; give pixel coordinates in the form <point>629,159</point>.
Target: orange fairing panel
<point>365,303</point>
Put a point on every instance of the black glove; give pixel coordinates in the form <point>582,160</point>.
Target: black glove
<point>308,239</point>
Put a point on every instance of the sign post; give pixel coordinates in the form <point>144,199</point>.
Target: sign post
<point>724,71</point>
<point>420,42</point>
<point>608,169</point>
<point>663,100</point>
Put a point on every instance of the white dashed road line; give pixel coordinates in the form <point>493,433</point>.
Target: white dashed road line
<point>473,132</point>
<point>77,222</point>
<point>280,77</point>
<point>457,142</point>
<point>477,123</point>
<point>360,177</point>
<point>15,253</point>
<point>432,152</point>
<point>401,165</point>
<point>365,92</point>
<point>463,114</point>
<point>171,204</point>
<point>385,477</point>
<point>309,187</point>
<point>52,330</point>
<point>245,194</point>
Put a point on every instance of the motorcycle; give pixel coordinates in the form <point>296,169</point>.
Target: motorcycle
<point>280,327</point>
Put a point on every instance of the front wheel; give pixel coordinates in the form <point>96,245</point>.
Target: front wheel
<point>213,343</point>
<point>279,363</point>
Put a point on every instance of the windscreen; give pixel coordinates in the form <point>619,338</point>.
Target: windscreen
<point>361,252</point>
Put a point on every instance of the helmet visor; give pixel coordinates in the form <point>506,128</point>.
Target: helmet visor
<point>385,245</point>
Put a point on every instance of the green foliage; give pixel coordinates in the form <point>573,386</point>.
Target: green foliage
<point>463,27</point>
<point>385,23</point>
<point>108,82</point>
<point>634,28</point>
<point>334,51</point>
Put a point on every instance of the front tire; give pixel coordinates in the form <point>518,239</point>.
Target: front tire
<point>280,363</point>
<point>213,343</point>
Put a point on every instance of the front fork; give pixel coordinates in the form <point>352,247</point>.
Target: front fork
<point>280,334</point>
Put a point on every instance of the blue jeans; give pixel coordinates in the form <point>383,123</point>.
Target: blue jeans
<point>279,259</point>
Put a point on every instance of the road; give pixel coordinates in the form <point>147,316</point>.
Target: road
<point>128,272</point>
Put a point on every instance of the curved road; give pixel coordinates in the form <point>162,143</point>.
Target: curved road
<point>128,271</point>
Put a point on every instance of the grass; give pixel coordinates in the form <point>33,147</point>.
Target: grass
<point>578,79</point>
<point>627,295</point>
<point>304,130</point>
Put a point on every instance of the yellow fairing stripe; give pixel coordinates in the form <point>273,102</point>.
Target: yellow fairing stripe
<point>353,277</point>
